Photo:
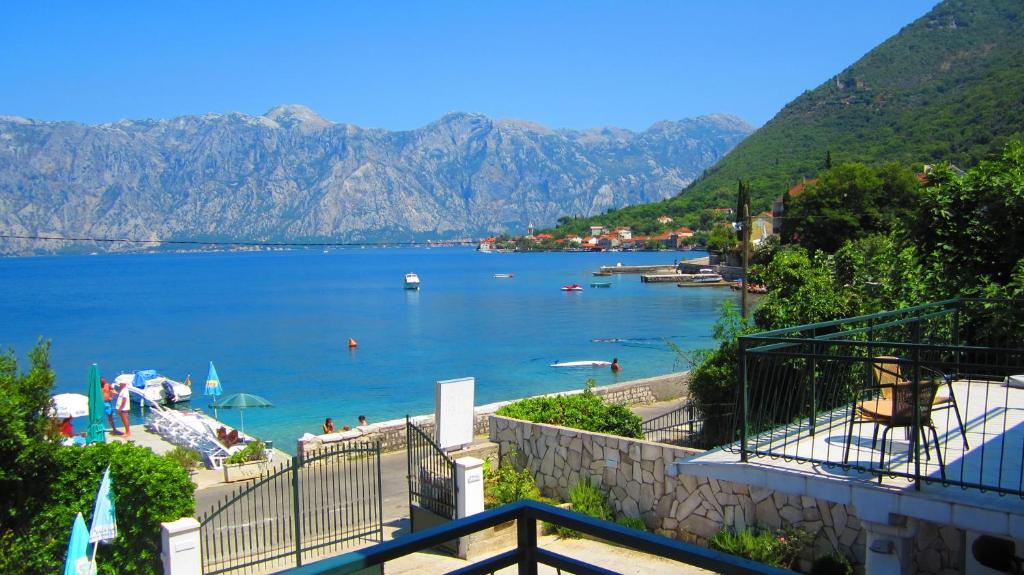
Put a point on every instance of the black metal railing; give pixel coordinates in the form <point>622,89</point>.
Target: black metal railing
<point>431,474</point>
<point>303,509</point>
<point>684,426</point>
<point>916,393</point>
<point>527,555</point>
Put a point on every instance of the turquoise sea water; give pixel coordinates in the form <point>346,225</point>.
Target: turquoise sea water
<point>277,323</point>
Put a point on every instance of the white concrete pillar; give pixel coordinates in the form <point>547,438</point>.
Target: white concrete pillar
<point>180,544</point>
<point>469,477</point>
<point>888,548</point>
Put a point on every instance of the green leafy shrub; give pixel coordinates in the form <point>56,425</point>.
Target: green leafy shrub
<point>187,458</point>
<point>255,451</point>
<point>834,563</point>
<point>584,411</point>
<point>587,499</point>
<point>148,489</point>
<point>632,522</point>
<point>505,485</point>
<point>780,549</point>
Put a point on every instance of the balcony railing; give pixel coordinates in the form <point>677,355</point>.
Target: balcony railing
<point>527,555</point>
<point>919,394</point>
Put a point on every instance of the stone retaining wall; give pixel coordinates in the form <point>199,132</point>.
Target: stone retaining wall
<point>391,434</point>
<point>640,482</point>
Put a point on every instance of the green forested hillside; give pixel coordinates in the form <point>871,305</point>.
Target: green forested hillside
<point>948,87</point>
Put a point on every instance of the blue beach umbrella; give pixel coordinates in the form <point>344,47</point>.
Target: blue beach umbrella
<point>104,522</point>
<point>77,562</point>
<point>96,431</point>
<point>213,387</point>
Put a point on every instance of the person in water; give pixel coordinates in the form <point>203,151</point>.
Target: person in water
<point>328,426</point>
<point>615,365</point>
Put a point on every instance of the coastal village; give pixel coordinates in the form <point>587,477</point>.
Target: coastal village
<point>853,405</point>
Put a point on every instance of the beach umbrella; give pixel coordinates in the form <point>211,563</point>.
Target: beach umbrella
<point>213,387</point>
<point>104,523</point>
<point>77,562</point>
<point>242,401</point>
<point>96,430</point>
<point>69,405</point>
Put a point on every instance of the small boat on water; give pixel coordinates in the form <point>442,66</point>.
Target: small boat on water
<point>154,388</point>
<point>412,281</point>
<point>587,363</point>
<point>601,284</point>
<point>602,273</point>
<point>572,287</point>
<point>504,275</point>
<point>706,276</point>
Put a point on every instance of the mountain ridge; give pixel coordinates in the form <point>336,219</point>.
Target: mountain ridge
<point>291,174</point>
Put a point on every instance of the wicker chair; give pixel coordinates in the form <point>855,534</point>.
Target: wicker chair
<point>887,375</point>
<point>894,407</point>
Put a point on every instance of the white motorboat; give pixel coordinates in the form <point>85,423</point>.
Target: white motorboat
<point>156,388</point>
<point>412,281</point>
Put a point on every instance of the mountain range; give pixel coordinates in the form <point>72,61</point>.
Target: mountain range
<point>291,175</point>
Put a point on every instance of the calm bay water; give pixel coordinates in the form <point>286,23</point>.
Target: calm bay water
<point>277,323</point>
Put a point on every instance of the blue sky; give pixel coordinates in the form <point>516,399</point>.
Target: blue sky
<point>400,65</point>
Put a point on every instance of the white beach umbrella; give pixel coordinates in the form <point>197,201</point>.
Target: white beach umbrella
<point>69,405</point>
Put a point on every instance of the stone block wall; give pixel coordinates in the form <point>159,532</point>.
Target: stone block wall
<point>391,434</point>
<point>691,507</point>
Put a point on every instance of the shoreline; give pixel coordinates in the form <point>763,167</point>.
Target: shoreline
<point>391,433</point>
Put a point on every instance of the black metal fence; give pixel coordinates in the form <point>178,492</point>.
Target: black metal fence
<point>306,508</point>
<point>918,393</point>
<point>431,474</point>
<point>683,426</point>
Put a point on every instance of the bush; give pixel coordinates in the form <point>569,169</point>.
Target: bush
<point>255,451</point>
<point>834,563</point>
<point>148,489</point>
<point>505,485</point>
<point>588,500</point>
<point>584,411</point>
<point>632,522</point>
<point>780,549</point>
<point>185,457</point>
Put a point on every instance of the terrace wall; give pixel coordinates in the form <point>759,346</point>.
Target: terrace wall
<point>391,433</point>
<point>640,479</point>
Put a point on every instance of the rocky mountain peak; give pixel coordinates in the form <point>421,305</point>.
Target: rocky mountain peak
<point>296,115</point>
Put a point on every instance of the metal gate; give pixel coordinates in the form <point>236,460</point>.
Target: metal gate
<point>431,480</point>
<point>309,507</point>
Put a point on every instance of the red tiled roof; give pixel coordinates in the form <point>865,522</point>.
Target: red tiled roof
<point>799,188</point>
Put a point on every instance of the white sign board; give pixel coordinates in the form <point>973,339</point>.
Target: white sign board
<point>453,412</point>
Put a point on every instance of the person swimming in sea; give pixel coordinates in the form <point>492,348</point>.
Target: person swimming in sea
<point>615,365</point>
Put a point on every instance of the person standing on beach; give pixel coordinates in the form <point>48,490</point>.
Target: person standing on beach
<point>328,426</point>
<point>108,403</point>
<point>615,365</point>
<point>124,404</point>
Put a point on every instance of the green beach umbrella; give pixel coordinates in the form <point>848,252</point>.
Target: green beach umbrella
<point>96,431</point>
<point>242,401</point>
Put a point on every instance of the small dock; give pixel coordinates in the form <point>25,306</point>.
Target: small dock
<point>651,269</point>
<point>664,278</point>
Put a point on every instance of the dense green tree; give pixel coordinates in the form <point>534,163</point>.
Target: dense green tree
<point>802,291</point>
<point>851,201</point>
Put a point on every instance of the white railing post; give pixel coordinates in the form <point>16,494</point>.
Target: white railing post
<point>180,547</point>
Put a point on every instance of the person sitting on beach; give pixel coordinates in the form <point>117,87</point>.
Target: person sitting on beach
<point>362,420</point>
<point>328,426</point>
<point>615,365</point>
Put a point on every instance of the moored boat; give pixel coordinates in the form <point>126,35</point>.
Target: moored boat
<point>600,284</point>
<point>504,275</point>
<point>572,287</point>
<point>412,281</point>
<point>155,388</point>
<point>602,273</point>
